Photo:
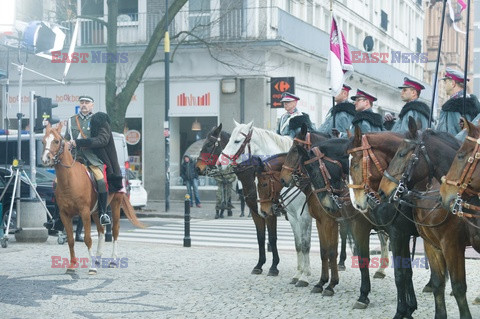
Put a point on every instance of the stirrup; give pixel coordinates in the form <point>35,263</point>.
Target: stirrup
<point>105,219</point>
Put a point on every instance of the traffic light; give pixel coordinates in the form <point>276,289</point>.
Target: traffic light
<point>44,113</point>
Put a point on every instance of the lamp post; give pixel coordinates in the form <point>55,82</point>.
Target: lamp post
<point>166,124</point>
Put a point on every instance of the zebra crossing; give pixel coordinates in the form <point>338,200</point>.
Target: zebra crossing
<point>230,233</point>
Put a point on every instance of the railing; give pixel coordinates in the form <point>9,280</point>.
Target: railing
<point>221,25</point>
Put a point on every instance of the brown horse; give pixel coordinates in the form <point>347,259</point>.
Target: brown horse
<point>409,181</point>
<point>76,195</point>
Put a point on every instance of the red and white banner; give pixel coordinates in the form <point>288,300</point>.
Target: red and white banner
<point>455,13</point>
<point>340,63</point>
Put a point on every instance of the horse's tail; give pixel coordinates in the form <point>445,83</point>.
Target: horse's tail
<point>130,212</point>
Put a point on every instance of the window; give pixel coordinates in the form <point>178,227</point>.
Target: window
<point>128,8</point>
<point>92,8</point>
<point>384,20</point>
<point>199,18</point>
<point>419,2</point>
<point>419,45</point>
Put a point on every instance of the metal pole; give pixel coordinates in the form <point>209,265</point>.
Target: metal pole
<point>19,142</point>
<point>466,61</point>
<point>242,100</point>
<point>186,239</point>
<point>33,166</point>
<point>167,106</point>
<point>435,82</point>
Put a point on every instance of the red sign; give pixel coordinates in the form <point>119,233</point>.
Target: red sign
<point>132,137</point>
<point>279,86</point>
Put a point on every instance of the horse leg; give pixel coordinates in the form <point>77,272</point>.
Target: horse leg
<point>68,224</point>
<point>343,250</point>
<point>260,227</point>
<point>101,240</point>
<point>380,273</point>
<point>455,259</point>
<point>272,239</point>
<point>318,288</point>
<point>115,206</point>
<point>292,219</point>
<point>332,253</point>
<point>437,278</point>
<point>306,240</point>
<point>361,236</point>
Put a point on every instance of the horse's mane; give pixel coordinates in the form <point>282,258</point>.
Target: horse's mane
<point>274,157</point>
<point>320,134</point>
<point>284,141</point>
<point>445,137</point>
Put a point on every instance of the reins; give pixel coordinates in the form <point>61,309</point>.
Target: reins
<point>246,142</point>
<point>56,157</point>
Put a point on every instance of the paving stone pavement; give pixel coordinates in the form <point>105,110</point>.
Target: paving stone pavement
<point>171,281</point>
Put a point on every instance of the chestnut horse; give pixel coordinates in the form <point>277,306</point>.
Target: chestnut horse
<point>413,178</point>
<point>76,195</point>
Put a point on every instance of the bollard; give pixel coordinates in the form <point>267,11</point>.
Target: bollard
<point>186,238</point>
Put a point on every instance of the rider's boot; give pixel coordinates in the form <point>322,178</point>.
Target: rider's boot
<point>102,209</point>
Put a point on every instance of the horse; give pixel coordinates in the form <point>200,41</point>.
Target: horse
<point>269,189</point>
<point>209,154</point>
<point>370,154</point>
<point>76,195</point>
<point>328,159</point>
<point>420,158</point>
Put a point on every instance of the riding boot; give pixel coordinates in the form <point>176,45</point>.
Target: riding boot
<point>102,209</point>
<point>221,213</point>
<point>78,231</point>
<point>217,215</point>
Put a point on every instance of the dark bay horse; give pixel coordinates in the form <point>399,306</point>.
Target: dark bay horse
<point>76,195</point>
<point>409,180</point>
<point>370,155</point>
<point>326,163</point>
<point>211,150</point>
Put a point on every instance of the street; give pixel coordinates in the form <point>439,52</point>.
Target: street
<point>159,280</point>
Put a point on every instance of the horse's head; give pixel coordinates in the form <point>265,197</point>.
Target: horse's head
<point>237,145</point>
<point>52,144</point>
<point>327,166</point>
<point>269,186</point>
<point>369,156</point>
<point>292,167</point>
<point>211,149</point>
<point>463,177</point>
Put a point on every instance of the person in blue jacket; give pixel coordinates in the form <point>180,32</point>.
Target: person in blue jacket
<point>340,116</point>
<point>366,119</point>
<point>452,109</point>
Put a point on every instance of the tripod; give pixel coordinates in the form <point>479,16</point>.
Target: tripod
<point>17,172</point>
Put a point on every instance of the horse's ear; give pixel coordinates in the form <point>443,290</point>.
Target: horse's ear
<point>249,125</point>
<point>412,127</point>
<point>468,125</point>
<point>349,134</point>
<point>49,126</point>
<point>59,127</point>
<point>304,130</point>
<point>235,122</point>
<point>357,140</point>
<point>217,130</point>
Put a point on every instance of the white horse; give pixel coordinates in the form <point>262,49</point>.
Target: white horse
<point>263,143</point>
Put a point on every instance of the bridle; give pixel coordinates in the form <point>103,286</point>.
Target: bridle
<point>463,183</point>
<point>368,155</point>
<point>337,195</point>
<point>56,156</point>
<point>298,175</point>
<point>402,188</point>
<point>246,142</point>
<point>216,143</point>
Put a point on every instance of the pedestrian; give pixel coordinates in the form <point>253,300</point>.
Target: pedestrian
<point>365,118</point>
<point>224,179</point>
<point>413,107</point>
<point>291,121</point>
<point>190,179</point>
<point>452,109</point>
<point>241,198</point>
<point>340,116</point>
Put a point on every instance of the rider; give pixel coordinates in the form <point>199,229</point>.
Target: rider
<point>418,110</point>
<point>366,119</point>
<point>291,122</point>
<point>79,127</point>
<point>340,116</point>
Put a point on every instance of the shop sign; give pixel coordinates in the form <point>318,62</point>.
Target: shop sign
<point>194,98</point>
<point>132,137</point>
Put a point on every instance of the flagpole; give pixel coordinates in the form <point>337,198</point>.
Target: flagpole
<point>435,82</point>
<point>333,97</point>
<point>466,61</point>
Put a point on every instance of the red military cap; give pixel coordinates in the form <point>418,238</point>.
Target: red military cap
<point>346,88</point>
<point>455,75</point>
<point>407,83</point>
<point>364,94</point>
<point>287,97</point>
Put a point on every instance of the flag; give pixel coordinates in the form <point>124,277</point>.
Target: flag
<point>340,63</point>
<point>455,15</point>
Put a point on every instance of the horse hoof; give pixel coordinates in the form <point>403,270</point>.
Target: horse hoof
<point>256,271</point>
<point>301,284</point>
<point>70,271</point>
<point>427,289</point>
<point>360,305</point>
<point>342,268</point>
<point>328,292</point>
<point>476,301</point>
<point>294,281</point>
<point>316,290</point>
<point>273,272</point>
<point>92,272</point>
<point>379,275</point>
